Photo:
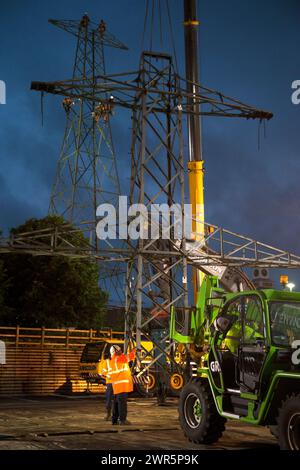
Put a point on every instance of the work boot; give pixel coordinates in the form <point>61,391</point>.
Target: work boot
<point>108,415</point>
<point>125,423</point>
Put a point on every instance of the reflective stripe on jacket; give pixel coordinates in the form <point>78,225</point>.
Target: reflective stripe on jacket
<point>106,371</point>
<point>120,374</point>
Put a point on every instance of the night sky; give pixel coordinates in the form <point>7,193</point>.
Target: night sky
<point>248,49</point>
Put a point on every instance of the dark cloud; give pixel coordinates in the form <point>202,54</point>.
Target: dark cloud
<point>13,210</point>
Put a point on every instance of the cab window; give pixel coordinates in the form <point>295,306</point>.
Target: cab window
<point>92,352</point>
<point>232,339</point>
<point>246,322</point>
<point>254,320</point>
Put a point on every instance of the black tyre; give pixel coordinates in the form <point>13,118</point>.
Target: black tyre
<point>289,423</point>
<point>199,418</point>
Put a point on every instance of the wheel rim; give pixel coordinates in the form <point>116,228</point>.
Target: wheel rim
<point>151,382</point>
<point>294,431</point>
<point>192,410</point>
<point>176,381</point>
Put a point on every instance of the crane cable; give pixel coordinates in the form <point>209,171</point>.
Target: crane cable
<point>261,129</point>
<point>152,25</point>
<point>145,23</point>
<point>150,17</point>
<point>160,25</point>
<point>172,35</point>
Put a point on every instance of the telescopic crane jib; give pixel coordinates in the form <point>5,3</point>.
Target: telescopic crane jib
<point>195,163</point>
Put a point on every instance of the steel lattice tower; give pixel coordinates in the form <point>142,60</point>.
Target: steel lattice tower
<point>87,172</point>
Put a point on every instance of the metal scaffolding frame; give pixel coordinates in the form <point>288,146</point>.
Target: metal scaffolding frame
<point>227,248</point>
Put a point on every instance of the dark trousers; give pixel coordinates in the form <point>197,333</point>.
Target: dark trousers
<point>119,408</point>
<point>109,394</point>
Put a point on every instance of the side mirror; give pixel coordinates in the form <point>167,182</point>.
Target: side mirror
<point>221,324</point>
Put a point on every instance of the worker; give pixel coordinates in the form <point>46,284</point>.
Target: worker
<point>122,383</point>
<point>67,104</point>
<point>84,22</point>
<point>108,108</point>
<point>253,328</point>
<point>109,389</point>
<point>103,110</point>
<point>102,27</point>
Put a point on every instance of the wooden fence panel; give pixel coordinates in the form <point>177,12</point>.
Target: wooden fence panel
<point>44,362</point>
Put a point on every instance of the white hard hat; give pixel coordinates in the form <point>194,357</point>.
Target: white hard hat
<point>114,349</point>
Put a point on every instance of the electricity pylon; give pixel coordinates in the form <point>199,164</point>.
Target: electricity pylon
<point>87,172</point>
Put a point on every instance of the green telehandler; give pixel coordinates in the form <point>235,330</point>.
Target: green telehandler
<point>247,349</point>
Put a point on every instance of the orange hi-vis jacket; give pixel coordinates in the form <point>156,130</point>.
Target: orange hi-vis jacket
<point>106,372</point>
<point>119,373</point>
